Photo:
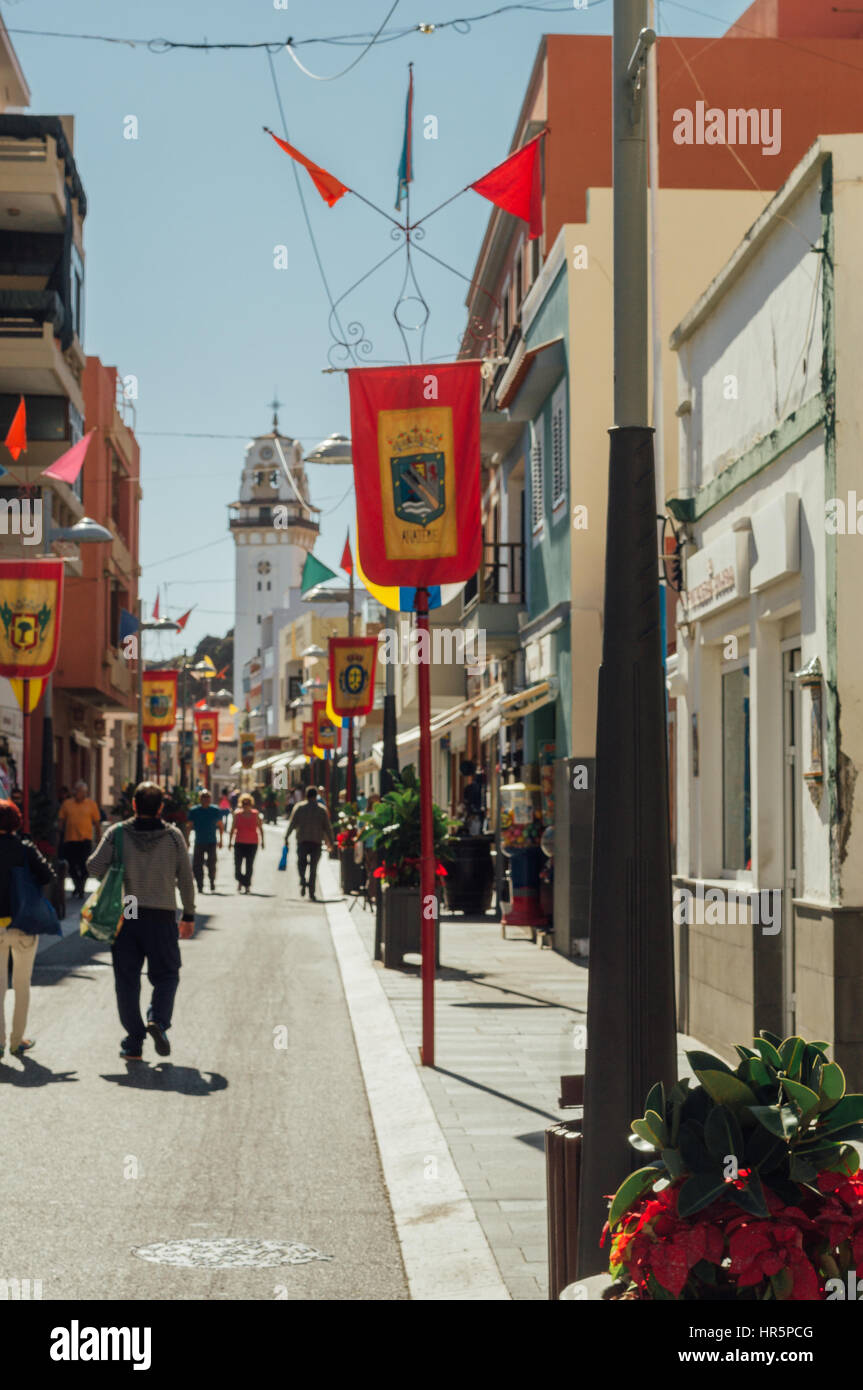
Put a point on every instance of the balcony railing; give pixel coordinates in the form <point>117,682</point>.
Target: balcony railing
<point>22,312</point>
<point>500,578</point>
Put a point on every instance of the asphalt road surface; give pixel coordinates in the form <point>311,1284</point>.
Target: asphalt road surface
<point>253,1141</point>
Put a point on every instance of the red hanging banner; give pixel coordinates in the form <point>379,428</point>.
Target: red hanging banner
<point>415,444</point>
<point>325,731</point>
<point>352,674</point>
<point>160,701</point>
<point>207,729</point>
<point>308,738</point>
<point>31,602</point>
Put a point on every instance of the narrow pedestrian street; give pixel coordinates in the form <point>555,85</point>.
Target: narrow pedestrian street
<point>256,1129</point>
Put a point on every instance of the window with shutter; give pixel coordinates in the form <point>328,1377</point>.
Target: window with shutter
<point>558,448</point>
<point>537,480</point>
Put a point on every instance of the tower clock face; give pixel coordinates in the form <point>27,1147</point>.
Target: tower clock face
<point>266,452</point>
<point>264,567</point>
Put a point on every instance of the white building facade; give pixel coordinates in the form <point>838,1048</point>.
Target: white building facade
<point>768,675</point>
<point>274,527</point>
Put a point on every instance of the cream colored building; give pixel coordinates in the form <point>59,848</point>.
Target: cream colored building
<point>768,673</point>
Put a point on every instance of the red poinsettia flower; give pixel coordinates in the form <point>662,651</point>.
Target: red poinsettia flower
<point>761,1248</point>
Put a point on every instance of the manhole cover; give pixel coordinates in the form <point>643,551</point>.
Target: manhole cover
<point>229,1252</point>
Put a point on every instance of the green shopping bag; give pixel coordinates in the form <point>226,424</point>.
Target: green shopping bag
<point>102,913</point>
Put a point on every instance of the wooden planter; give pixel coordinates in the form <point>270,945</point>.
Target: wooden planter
<point>400,927</point>
<point>351,872</point>
<point>469,883</point>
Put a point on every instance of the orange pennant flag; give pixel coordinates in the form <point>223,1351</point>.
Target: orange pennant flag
<point>329,187</point>
<point>16,439</point>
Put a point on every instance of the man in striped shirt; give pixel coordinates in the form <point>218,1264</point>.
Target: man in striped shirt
<point>155,866</point>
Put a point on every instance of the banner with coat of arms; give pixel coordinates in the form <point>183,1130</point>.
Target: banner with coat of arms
<point>160,701</point>
<point>324,730</point>
<point>247,750</point>
<point>308,738</point>
<point>415,441</point>
<point>352,674</point>
<point>31,603</point>
<point>207,728</point>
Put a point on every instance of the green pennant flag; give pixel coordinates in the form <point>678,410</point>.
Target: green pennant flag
<point>314,572</point>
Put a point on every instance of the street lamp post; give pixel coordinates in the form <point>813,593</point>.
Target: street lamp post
<point>630,1018</point>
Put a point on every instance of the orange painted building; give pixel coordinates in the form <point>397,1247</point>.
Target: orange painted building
<point>94,684</point>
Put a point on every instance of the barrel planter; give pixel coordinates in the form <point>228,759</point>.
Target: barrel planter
<point>401,928</point>
<point>469,883</point>
<point>351,871</point>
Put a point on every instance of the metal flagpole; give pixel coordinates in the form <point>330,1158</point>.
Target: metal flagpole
<point>25,758</point>
<point>351,782</point>
<point>630,1016</point>
<point>428,898</point>
<point>139,756</point>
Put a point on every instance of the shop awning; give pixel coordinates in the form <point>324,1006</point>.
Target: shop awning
<point>524,702</point>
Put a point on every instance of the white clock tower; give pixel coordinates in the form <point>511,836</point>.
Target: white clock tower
<point>274,528</point>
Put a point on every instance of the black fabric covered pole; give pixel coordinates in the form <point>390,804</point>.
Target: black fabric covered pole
<point>631,1032</point>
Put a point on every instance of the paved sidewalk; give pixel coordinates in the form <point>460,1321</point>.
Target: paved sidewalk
<point>510,1021</point>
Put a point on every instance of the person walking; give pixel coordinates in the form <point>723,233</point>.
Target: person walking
<point>80,817</point>
<point>16,851</point>
<point>312,825</point>
<point>155,866</point>
<point>207,822</point>
<point>247,832</point>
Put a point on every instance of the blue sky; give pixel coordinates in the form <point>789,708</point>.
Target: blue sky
<point>182,222</point>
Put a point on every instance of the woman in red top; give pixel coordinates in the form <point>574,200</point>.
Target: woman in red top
<point>247,832</point>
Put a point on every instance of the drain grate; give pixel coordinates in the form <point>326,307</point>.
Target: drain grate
<point>228,1252</point>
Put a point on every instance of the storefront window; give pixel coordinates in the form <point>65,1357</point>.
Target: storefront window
<point>736,806</point>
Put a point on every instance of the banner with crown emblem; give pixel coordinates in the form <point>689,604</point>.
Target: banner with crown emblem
<point>207,729</point>
<point>323,728</point>
<point>415,444</point>
<point>352,674</point>
<point>31,602</point>
<point>160,701</point>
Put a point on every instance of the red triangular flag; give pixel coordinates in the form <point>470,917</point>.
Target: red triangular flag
<point>156,608</point>
<point>67,467</point>
<point>181,622</point>
<point>516,186</point>
<point>16,439</point>
<point>346,561</point>
<point>329,187</point>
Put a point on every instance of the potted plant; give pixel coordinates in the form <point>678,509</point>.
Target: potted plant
<point>754,1191</point>
<point>392,828</point>
<point>347,839</point>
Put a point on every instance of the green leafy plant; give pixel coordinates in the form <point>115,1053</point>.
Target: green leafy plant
<point>769,1140</point>
<point>392,827</point>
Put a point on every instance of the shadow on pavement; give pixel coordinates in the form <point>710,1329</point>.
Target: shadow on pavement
<point>69,956</point>
<point>477,977</point>
<point>188,1081</point>
<point>490,1091</point>
<point>33,1074</point>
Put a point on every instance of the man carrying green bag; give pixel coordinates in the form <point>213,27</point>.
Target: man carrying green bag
<point>149,860</point>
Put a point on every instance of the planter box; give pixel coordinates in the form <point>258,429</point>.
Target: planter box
<point>469,883</point>
<point>400,927</point>
<point>351,872</point>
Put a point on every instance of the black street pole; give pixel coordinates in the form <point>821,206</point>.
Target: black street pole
<point>631,1033</point>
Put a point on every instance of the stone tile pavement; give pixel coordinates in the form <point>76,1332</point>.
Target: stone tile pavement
<point>510,1020</point>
